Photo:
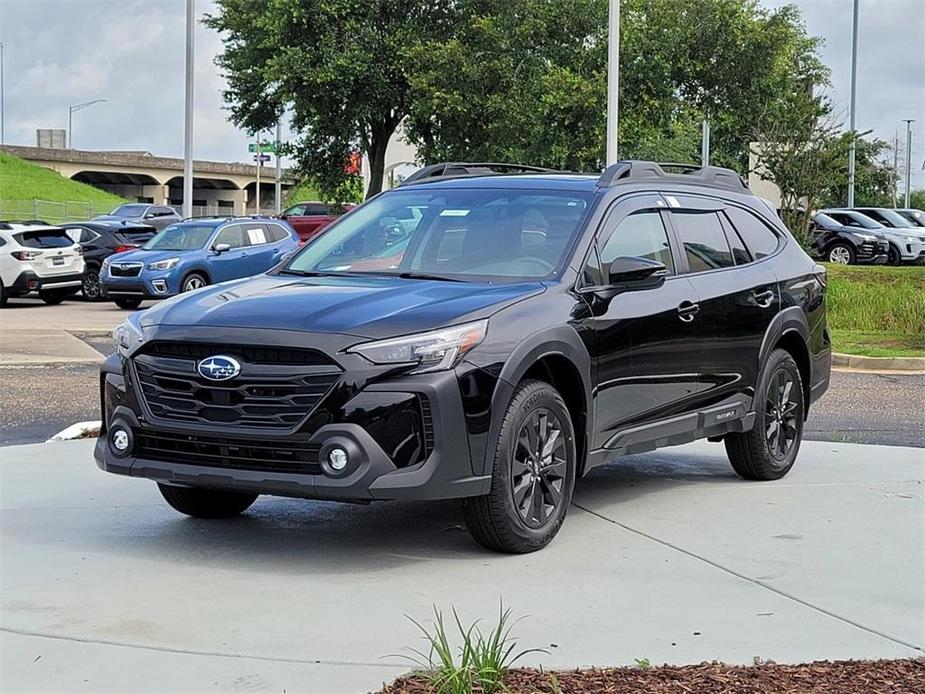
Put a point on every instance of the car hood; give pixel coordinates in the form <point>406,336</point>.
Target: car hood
<point>373,307</point>
<point>144,256</point>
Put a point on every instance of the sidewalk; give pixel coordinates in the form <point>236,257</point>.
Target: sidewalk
<point>666,556</point>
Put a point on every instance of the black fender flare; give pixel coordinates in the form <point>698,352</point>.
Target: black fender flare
<point>560,341</point>
<point>196,270</point>
<point>790,320</point>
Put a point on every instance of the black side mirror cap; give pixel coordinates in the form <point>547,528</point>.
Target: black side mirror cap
<point>631,274</point>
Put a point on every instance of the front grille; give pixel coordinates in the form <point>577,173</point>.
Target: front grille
<point>867,250</point>
<point>270,456</point>
<point>277,388</point>
<point>125,269</point>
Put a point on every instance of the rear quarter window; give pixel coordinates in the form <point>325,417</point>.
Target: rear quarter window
<point>759,238</point>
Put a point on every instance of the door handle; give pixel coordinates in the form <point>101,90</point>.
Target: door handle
<point>687,310</point>
<point>764,299</point>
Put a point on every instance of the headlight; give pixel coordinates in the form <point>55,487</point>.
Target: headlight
<point>864,237</point>
<point>433,351</point>
<point>167,264</point>
<point>127,335</point>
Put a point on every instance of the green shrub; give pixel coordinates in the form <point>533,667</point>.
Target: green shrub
<point>877,300</point>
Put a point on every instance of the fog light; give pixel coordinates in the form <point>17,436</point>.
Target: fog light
<point>120,440</point>
<point>160,286</point>
<point>32,284</point>
<point>337,459</point>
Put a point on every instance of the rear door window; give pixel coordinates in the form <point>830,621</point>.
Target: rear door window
<point>256,234</point>
<point>702,237</point>
<point>760,240</point>
<point>44,238</point>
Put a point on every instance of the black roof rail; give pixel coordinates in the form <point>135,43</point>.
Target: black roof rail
<point>460,169</point>
<point>33,222</point>
<point>634,170</point>
<point>208,216</point>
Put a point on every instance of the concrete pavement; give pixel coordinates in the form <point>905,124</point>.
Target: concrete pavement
<point>666,556</point>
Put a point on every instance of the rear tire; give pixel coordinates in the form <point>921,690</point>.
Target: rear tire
<point>128,304</point>
<point>841,253</point>
<point>533,474</point>
<point>52,297</point>
<point>199,502</point>
<point>91,286</point>
<point>768,451</point>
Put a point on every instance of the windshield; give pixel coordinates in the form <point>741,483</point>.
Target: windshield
<point>180,238</point>
<point>129,211</point>
<point>917,217</point>
<point>895,219</point>
<point>460,234</point>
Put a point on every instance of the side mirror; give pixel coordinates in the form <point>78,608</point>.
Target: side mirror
<point>220,248</point>
<point>631,274</point>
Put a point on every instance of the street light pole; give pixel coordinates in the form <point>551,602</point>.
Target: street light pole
<point>71,110</point>
<point>854,81</point>
<point>2,111</point>
<point>188,115</point>
<point>909,123</point>
<point>279,185</point>
<point>613,80</point>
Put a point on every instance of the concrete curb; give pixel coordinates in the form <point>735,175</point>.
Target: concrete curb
<point>854,361</point>
<point>80,430</point>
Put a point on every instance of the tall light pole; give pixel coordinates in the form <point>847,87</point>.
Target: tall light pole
<point>71,110</point>
<point>613,80</point>
<point>2,117</point>
<point>279,185</point>
<point>854,84</point>
<point>188,115</point>
<point>909,123</point>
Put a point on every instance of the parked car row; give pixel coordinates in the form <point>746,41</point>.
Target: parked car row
<point>128,261</point>
<point>870,235</point>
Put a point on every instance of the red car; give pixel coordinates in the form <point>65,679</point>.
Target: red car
<point>308,218</point>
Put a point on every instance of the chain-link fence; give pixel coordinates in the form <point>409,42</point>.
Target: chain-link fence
<point>51,212</point>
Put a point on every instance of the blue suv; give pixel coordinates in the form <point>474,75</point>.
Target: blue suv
<point>194,253</point>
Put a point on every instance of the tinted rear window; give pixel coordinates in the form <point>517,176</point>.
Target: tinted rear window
<point>758,237</point>
<point>704,241</point>
<point>45,238</point>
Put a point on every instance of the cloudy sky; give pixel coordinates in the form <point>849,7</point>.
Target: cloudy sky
<point>131,53</point>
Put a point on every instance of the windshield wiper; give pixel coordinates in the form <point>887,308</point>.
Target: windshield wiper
<point>315,273</point>
<point>425,276</point>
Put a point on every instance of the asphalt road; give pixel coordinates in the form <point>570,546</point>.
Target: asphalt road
<point>39,401</point>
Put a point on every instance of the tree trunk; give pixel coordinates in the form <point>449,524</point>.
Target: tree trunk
<point>376,154</point>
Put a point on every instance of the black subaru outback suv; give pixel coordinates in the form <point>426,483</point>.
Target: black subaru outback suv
<point>485,332</point>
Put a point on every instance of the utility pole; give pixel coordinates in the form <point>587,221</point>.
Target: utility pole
<point>2,111</point>
<point>188,116</point>
<point>259,165</point>
<point>854,84</point>
<point>895,167</point>
<point>279,185</point>
<point>705,144</point>
<point>613,80</point>
<point>909,123</point>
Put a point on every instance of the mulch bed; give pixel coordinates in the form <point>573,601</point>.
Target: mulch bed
<point>824,677</point>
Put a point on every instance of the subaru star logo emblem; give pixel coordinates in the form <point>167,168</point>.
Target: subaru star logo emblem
<point>219,368</point>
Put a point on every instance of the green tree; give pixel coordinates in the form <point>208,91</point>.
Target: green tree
<point>337,65</point>
<point>874,176</point>
<point>525,80</point>
<point>916,199</point>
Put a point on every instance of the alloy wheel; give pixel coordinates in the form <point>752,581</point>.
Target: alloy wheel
<point>538,468</point>
<point>194,282</point>
<point>840,255</point>
<point>91,285</point>
<point>782,406</point>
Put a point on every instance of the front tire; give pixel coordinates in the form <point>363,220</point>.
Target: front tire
<point>768,451</point>
<point>192,282</point>
<point>206,503</point>
<point>893,256</point>
<point>533,474</point>
<point>2,295</point>
<point>841,254</point>
<point>128,304</point>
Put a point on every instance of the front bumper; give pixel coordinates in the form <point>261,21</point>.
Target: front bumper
<point>29,281</point>
<point>295,463</point>
<point>141,287</point>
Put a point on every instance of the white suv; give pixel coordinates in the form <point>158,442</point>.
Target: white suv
<point>38,258</point>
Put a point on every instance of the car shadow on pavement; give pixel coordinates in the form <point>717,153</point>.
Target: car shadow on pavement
<point>322,537</point>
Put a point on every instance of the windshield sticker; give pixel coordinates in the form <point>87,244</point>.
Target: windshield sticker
<point>453,213</point>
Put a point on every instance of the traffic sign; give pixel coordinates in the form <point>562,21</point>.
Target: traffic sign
<point>262,157</point>
<point>266,147</point>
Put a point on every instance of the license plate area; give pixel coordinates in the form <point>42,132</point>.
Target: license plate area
<point>57,261</point>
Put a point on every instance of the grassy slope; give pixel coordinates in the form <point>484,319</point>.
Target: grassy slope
<point>21,180</point>
<point>877,311</point>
